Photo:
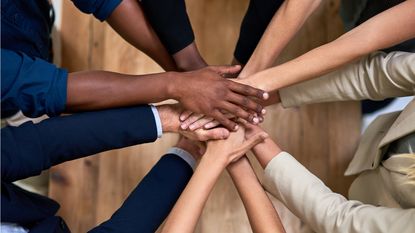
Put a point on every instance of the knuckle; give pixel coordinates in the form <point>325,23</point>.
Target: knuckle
<point>246,89</point>
<point>245,101</point>
<point>241,113</point>
<point>258,107</point>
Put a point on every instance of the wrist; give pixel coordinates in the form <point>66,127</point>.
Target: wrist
<point>266,151</point>
<point>216,160</point>
<point>173,85</point>
<point>190,147</point>
<point>169,117</point>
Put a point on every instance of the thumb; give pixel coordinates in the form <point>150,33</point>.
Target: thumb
<point>226,70</point>
<point>248,144</point>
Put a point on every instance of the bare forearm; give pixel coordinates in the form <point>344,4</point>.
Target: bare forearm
<point>130,22</point>
<point>386,29</point>
<point>266,151</point>
<point>285,24</point>
<point>261,213</point>
<point>92,90</point>
<point>187,210</point>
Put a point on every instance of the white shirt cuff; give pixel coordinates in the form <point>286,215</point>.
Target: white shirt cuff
<point>186,156</point>
<point>158,121</point>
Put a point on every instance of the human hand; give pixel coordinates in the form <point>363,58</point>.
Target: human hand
<point>205,91</point>
<point>169,117</point>
<point>234,147</point>
<point>192,121</point>
<point>251,129</point>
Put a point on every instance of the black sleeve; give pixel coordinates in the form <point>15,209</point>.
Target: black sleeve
<point>171,23</point>
<point>256,20</point>
<point>152,200</point>
<point>31,148</point>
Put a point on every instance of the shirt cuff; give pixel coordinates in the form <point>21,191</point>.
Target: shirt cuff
<point>289,96</point>
<point>186,156</point>
<point>158,121</point>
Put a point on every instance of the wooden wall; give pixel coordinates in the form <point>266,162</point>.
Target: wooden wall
<point>323,137</point>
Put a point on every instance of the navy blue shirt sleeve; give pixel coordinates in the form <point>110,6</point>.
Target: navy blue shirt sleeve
<point>31,148</point>
<point>101,9</point>
<point>152,200</point>
<point>32,85</point>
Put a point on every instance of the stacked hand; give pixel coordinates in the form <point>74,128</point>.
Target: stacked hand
<point>235,146</point>
<point>193,121</point>
<point>207,93</point>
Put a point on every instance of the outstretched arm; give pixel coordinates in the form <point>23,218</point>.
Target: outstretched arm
<point>376,77</point>
<point>172,25</point>
<point>129,21</point>
<point>288,20</point>
<point>203,91</point>
<point>284,25</point>
<point>50,90</point>
<point>261,213</point>
<point>319,207</point>
<point>383,30</point>
<point>185,214</point>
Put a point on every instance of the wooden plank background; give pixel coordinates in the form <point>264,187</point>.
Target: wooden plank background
<point>322,137</point>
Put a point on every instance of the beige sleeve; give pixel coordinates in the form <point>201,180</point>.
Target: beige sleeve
<point>325,211</point>
<point>376,76</point>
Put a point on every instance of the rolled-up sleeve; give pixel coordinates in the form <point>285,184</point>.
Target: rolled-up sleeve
<point>101,9</point>
<point>32,85</point>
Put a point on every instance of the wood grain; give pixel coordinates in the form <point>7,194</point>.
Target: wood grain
<point>322,136</point>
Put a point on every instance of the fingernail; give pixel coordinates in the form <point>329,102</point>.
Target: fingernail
<point>191,127</point>
<point>183,126</point>
<point>181,118</point>
<point>256,120</point>
<point>236,127</point>
<point>261,119</point>
<point>263,111</point>
<point>208,125</point>
<point>265,95</point>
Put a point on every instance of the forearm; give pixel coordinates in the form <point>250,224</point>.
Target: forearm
<point>92,90</point>
<point>376,76</point>
<point>266,151</point>
<point>284,25</point>
<point>386,29</point>
<point>129,21</point>
<point>172,25</point>
<point>261,213</point>
<point>152,199</point>
<point>33,148</point>
<point>325,211</point>
<point>187,210</point>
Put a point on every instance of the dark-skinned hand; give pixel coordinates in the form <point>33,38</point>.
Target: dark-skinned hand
<point>206,91</point>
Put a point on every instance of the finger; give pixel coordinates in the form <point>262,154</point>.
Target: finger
<point>211,124</point>
<point>247,90</point>
<point>226,70</point>
<point>246,102</point>
<point>200,123</point>
<point>185,114</point>
<point>230,125</point>
<point>248,144</point>
<point>239,112</point>
<point>193,118</point>
<point>215,123</point>
<point>213,134</point>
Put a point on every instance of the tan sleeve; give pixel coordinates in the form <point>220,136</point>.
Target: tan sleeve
<point>376,76</point>
<point>325,211</point>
